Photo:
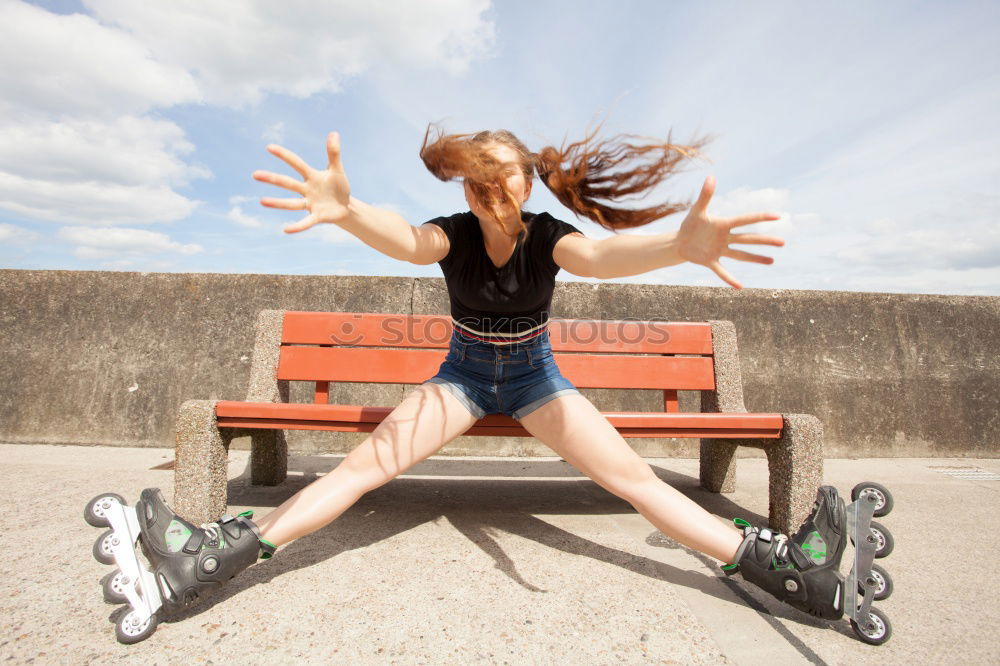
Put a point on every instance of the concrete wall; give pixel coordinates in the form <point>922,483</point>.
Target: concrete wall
<point>107,357</point>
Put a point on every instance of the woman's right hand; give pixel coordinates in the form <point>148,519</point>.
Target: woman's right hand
<point>325,194</point>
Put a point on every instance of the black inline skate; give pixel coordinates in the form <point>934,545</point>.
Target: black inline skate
<point>185,561</point>
<point>804,570</point>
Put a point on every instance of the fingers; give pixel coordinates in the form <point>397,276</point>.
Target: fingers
<point>756,239</point>
<point>280,180</point>
<point>751,218</point>
<point>291,158</point>
<point>333,151</point>
<point>302,225</point>
<point>747,256</point>
<point>286,204</point>
<point>724,274</point>
<point>707,190</point>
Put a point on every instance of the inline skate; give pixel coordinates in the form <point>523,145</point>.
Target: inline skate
<point>804,570</point>
<point>185,561</point>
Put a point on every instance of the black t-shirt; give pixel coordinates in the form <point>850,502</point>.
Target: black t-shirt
<point>507,304</point>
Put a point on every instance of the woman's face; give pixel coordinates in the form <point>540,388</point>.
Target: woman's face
<point>519,186</point>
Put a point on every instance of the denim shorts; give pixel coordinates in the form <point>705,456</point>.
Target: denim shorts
<point>513,379</point>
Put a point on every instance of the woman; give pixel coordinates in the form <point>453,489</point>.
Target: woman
<point>500,263</point>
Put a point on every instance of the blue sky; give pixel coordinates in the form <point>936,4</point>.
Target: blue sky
<point>128,131</point>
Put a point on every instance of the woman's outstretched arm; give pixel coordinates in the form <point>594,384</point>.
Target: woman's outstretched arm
<point>701,240</point>
<point>326,194</point>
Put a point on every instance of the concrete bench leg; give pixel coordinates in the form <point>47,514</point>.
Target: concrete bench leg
<point>201,470</point>
<point>268,457</point>
<point>718,465</point>
<point>795,471</point>
<point>794,463</point>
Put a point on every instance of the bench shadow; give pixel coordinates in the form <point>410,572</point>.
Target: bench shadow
<point>303,470</point>
<point>477,508</point>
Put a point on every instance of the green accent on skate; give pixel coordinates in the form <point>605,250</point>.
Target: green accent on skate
<point>176,536</point>
<point>815,547</point>
<point>739,522</point>
<point>729,567</point>
<point>248,514</point>
<point>265,555</point>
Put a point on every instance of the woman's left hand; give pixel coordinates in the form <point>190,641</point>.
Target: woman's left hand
<point>704,240</point>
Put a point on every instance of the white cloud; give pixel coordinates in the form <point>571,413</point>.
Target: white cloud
<point>92,202</point>
<point>11,234</point>
<point>126,150</point>
<point>896,247</point>
<point>74,146</point>
<point>237,216</point>
<point>745,200</point>
<point>299,47</point>
<point>121,243</point>
<point>274,133</point>
<point>71,64</point>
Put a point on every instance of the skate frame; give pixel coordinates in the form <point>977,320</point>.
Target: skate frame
<point>125,524</point>
<point>859,518</point>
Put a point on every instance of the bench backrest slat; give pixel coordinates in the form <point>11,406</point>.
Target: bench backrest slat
<point>325,347</point>
<point>434,331</point>
<point>406,366</point>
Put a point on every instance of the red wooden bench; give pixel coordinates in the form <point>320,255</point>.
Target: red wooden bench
<point>324,347</point>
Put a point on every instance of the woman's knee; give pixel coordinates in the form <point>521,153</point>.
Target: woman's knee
<point>632,484</point>
<point>365,469</point>
<point>418,428</point>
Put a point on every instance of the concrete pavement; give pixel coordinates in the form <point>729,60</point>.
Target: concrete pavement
<point>500,560</point>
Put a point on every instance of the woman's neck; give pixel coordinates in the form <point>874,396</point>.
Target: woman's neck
<point>494,235</point>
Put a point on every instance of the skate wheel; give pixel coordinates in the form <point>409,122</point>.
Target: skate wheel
<point>129,630</point>
<point>113,588</point>
<point>103,549</point>
<point>883,539</point>
<point>883,504</point>
<point>883,584</point>
<point>95,511</point>
<point>875,630</point>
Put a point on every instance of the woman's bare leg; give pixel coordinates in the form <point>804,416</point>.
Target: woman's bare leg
<point>577,431</point>
<point>427,419</point>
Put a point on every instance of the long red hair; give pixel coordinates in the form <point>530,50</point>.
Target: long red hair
<point>584,176</point>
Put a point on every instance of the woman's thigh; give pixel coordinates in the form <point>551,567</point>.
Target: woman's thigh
<point>576,430</point>
<point>428,418</point>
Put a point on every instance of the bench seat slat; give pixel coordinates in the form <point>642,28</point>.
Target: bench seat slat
<point>355,418</point>
<point>410,366</point>
<point>499,431</point>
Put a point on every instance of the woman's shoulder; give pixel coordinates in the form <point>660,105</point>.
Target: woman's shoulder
<point>451,223</point>
<point>454,217</point>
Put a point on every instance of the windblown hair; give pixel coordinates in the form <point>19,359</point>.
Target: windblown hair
<point>583,176</point>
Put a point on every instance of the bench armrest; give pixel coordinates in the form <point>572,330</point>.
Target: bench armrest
<point>264,385</point>
<point>728,393</point>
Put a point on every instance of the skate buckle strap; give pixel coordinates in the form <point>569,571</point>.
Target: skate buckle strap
<point>267,548</point>
<point>730,569</point>
<point>781,549</point>
<point>193,544</point>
